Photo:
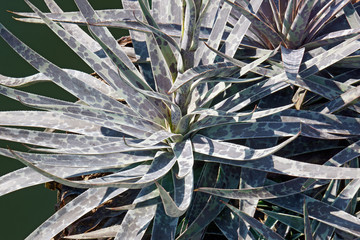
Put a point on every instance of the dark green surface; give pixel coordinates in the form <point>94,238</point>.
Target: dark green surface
<point>24,210</point>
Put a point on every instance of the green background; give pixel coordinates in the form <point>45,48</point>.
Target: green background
<point>24,210</point>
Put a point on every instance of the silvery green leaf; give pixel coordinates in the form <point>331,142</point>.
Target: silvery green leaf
<point>344,100</point>
<point>60,77</point>
<point>184,157</point>
<point>108,232</point>
<point>320,211</point>
<point>234,152</point>
<point>201,72</point>
<point>136,221</point>
<point>307,226</point>
<point>295,222</point>
<point>203,55</point>
<point>155,138</point>
<point>240,28</point>
<point>229,223</point>
<point>182,196</point>
<point>291,59</point>
<point>115,160</point>
<point>52,140</point>
<point>261,228</point>
<point>286,166</point>
<point>266,192</point>
<point>72,211</point>
<point>341,202</point>
<point>111,46</point>
<point>228,177</point>
<point>296,34</point>
<point>164,227</point>
<point>52,120</point>
<point>352,16</point>
<point>274,37</point>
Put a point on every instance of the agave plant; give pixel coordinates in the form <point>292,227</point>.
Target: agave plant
<point>187,134</point>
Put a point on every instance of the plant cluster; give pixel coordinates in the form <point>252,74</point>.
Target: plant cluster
<point>222,119</point>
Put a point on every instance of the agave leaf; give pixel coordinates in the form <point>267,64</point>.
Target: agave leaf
<point>201,72</point>
<point>290,167</point>
<point>248,67</point>
<point>292,59</point>
<point>159,167</point>
<point>273,36</point>
<point>331,38</point>
<point>341,202</point>
<point>164,227</point>
<point>108,232</point>
<point>50,120</point>
<point>78,33</point>
<point>96,98</point>
<point>52,140</point>
<point>27,177</point>
<point>261,228</point>
<point>307,226</point>
<point>293,221</point>
<point>240,28</point>
<point>235,152</point>
<point>352,16</point>
<point>296,35</point>
<point>188,27</point>
<point>330,57</point>
<point>252,130</point>
<point>156,138</point>
<point>182,196</point>
<point>136,221</point>
<point>202,54</point>
<point>134,99</point>
<point>320,211</point>
<point>229,223</point>
<point>221,117</point>
<point>266,192</point>
<point>111,46</point>
<point>184,157</point>
<point>344,100</point>
<point>213,207</point>
<point>73,211</point>
<point>85,161</point>
<point>113,147</point>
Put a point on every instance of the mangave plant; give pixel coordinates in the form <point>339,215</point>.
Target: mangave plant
<point>201,128</point>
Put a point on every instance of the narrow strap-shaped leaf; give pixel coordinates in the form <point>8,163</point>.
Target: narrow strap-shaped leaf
<point>185,159</point>
<point>107,232</point>
<point>295,222</point>
<point>296,35</point>
<point>261,228</point>
<point>85,161</point>
<point>229,224</point>
<point>155,138</point>
<point>164,227</point>
<point>183,189</point>
<point>290,167</point>
<point>231,151</point>
<point>96,98</point>
<point>240,28</point>
<point>266,192</point>
<point>344,100</point>
<point>259,24</point>
<point>136,221</point>
<point>228,177</point>
<point>111,46</point>
<point>320,211</point>
<point>72,211</point>
<point>52,140</point>
<point>200,72</point>
<point>49,120</point>
<point>352,16</point>
<point>113,147</point>
<point>292,60</point>
<point>202,54</point>
<point>248,67</point>
<point>341,202</point>
<point>307,226</point>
